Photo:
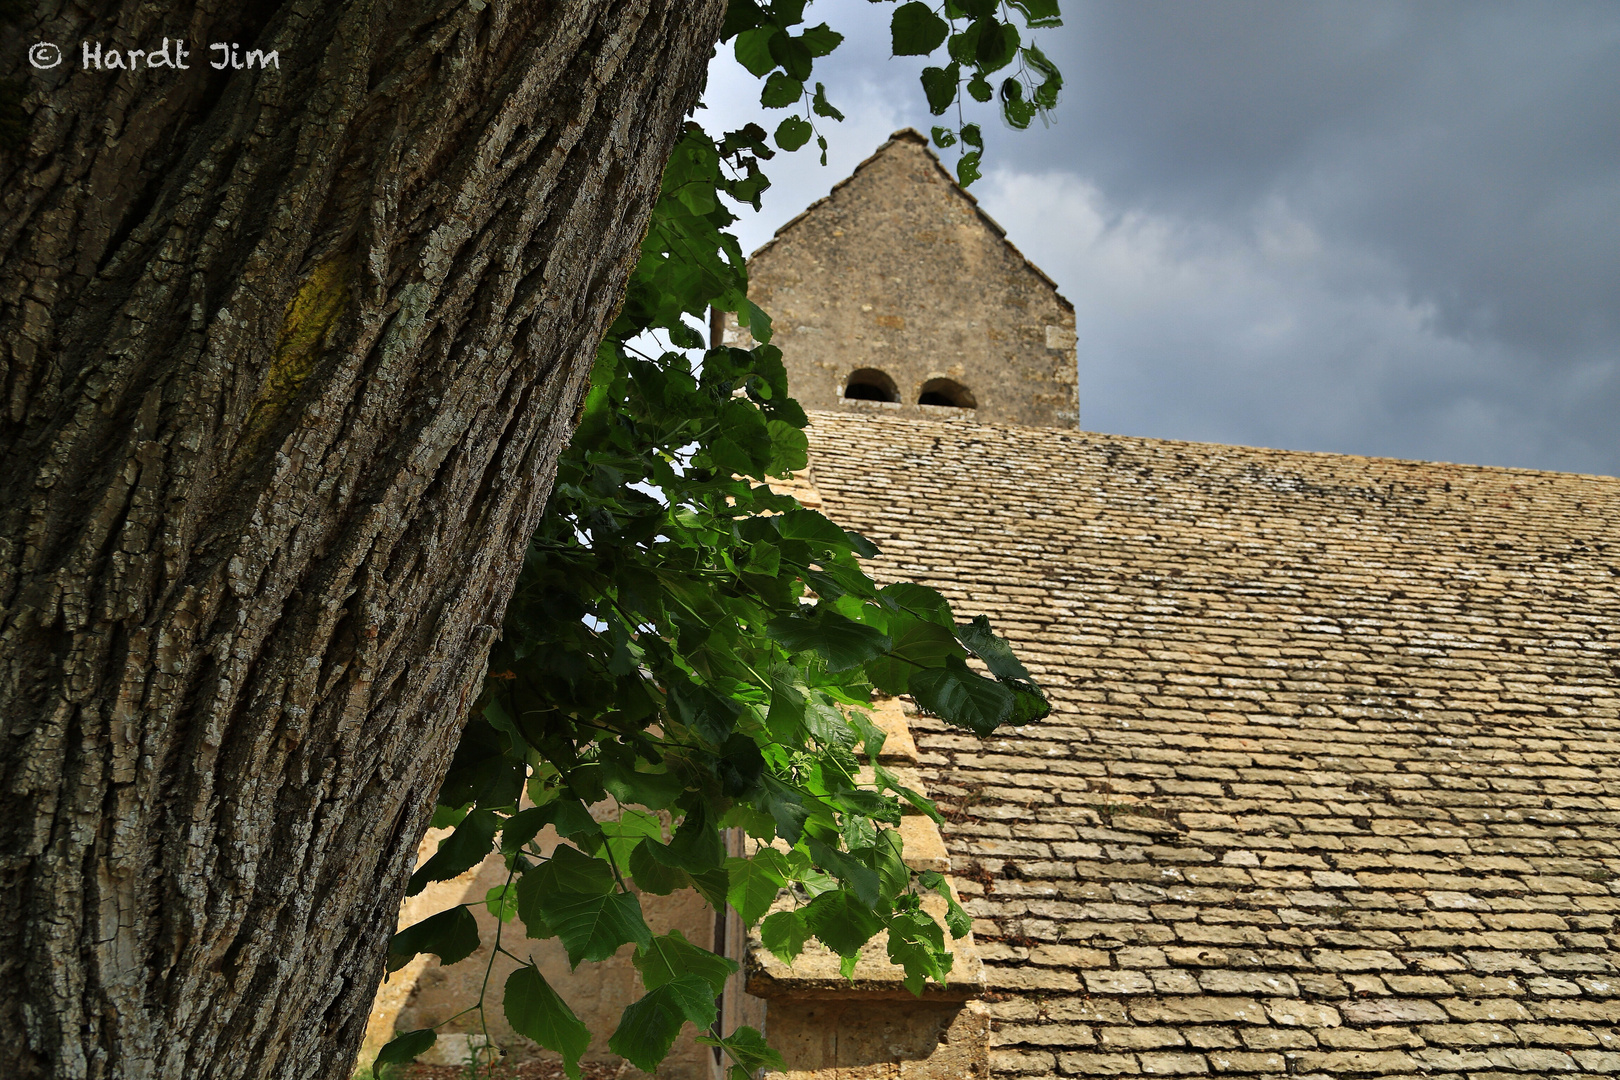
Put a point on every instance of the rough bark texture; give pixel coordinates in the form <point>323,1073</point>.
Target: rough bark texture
<point>288,359</point>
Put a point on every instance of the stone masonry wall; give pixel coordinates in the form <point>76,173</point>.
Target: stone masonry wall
<point>898,270</point>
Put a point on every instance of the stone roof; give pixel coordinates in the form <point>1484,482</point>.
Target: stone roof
<point>1332,786</point>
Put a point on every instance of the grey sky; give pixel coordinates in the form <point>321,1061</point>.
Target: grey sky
<point>1370,228</point>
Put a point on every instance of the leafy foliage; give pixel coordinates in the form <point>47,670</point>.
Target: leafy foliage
<point>688,651</point>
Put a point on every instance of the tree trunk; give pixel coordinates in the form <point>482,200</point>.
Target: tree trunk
<point>289,355</point>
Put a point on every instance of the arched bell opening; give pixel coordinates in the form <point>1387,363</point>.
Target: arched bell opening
<point>947,392</point>
<point>870,384</point>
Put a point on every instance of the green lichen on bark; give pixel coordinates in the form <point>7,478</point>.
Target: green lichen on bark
<point>310,318</point>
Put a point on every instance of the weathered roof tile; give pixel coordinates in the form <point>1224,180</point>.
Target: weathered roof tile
<point>1332,787</point>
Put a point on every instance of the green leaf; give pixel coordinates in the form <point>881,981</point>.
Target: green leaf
<point>710,716</point>
<point>821,40</point>
<point>916,643</point>
<point>523,827</point>
<point>868,806</point>
<point>502,901</point>
<point>592,927</point>
<point>403,1049</point>
<point>940,86</point>
<point>822,107</point>
<point>979,88</point>
<point>1029,704</point>
<point>885,780</point>
<point>753,50</point>
<point>993,650</point>
<point>955,917</point>
<point>967,168</point>
<point>739,767</point>
<point>841,921</point>
<point>696,846</point>
<point>971,135</point>
<point>748,1049</point>
<point>785,807</point>
<point>917,944</point>
<point>1046,95</point>
<point>862,881</point>
<point>750,315</point>
<point>780,91</point>
<point>842,642</point>
<point>803,524</point>
<point>793,133</point>
<point>648,1028</point>
<point>536,1012</point>
<point>763,558</point>
<point>944,137</point>
<point>784,934</point>
<point>625,834</point>
<point>963,697</point>
<point>916,31</point>
<point>459,852</point>
<point>794,54</point>
<point>711,885</point>
<point>1039,14</point>
<point>755,882</point>
<point>789,448</point>
<point>1017,111</point>
<point>653,876</point>
<point>571,819</point>
<point>452,935</point>
<point>670,956</point>
<point>921,601</point>
<point>997,45</point>
<point>571,870</point>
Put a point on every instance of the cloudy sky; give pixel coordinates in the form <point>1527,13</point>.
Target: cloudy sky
<point>1372,228</point>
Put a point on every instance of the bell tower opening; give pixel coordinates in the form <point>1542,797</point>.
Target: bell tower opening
<point>947,392</point>
<point>870,384</point>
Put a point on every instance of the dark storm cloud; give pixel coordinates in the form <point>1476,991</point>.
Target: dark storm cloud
<point>1479,144</point>
<point>1370,228</point>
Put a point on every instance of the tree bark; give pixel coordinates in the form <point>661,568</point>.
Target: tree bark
<point>288,358</point>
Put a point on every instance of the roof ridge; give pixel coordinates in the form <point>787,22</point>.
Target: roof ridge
<point>1024,431</point>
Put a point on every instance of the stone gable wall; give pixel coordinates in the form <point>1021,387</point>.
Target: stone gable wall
<point>899,271</point>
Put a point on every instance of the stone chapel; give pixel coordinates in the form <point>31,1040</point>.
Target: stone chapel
<point>1332,784</point>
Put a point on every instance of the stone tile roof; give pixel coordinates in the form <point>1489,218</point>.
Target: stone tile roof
<point>1332,787</point>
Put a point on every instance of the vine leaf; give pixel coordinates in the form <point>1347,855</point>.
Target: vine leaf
<point>784,934</point>
<point>536,1012</point>
<point>452,935</point>
<point>841,921</point>
<point>916,644</point>
<point>460,851</point>
<point>780,91</point>
<point>748,1049</point>
<point>916,31</point>
<point>403,1049</point>
<point>963,697</point>
<point>994,651</point>
<point>755,882</point>
<point>670,956</point>
<point>917,945</point>
<point>648,1028</point>
<point>842,642</point>
<point>593,927</point>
